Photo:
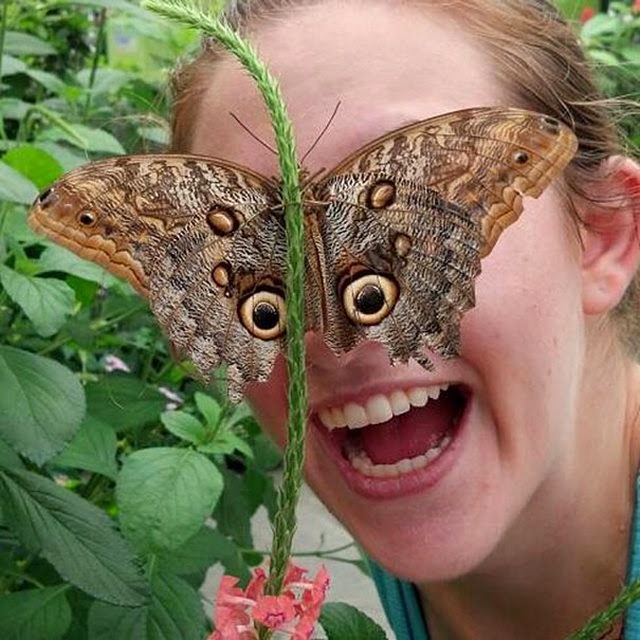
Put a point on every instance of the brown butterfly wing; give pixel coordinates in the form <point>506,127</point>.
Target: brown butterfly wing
<point>422,205</point>
<point>195,235</point>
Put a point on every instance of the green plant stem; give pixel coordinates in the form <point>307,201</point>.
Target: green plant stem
<point>285,520</point>
<point>601,622</point>
<point>3,29</point>
<point>102,20</point>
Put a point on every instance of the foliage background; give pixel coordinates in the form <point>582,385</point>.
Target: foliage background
<point>113,459</point>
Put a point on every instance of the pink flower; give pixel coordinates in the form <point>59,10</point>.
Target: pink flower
<point>635,7</point>
<point>587,14</point>
<point>274,611</point>
<point>113,363</point>
<point>293,612</point>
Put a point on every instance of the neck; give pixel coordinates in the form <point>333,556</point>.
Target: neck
<point>565,558</point>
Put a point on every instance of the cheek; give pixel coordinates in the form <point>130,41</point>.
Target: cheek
<point>268,401</point>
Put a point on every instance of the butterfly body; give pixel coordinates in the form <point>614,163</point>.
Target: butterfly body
<point>394,236</point>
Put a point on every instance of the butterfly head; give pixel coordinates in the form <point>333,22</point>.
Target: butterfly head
<point>87,228</point>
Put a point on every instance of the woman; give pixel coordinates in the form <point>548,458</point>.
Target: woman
<point>519,526</point>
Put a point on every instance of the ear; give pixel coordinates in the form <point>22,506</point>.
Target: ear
<point>611,235</point>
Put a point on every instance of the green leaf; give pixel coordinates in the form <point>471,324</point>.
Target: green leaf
<point>174,613</point>
<point>13,109</point>
<point>124,402</point>
<point>226,442</point>
<point>208,407</point>
<point>108,621</point>
<point>9,458</point>
<point>203,550</point>
<point>46,301</point>
<point>343,622</point>
<point>105,80</point>
<point>35,614</point>
<point>14,187</point>
<point>77,538</point>
<point>35,164</point>
<point>184,425</point>
<point>83,137</point>
<point>11,65</point>
<point>49,81</point>
<point>69,159</point>
<point>57,258</point>
<point>41,404</point>
<point>159,135</point>
<point>164,496</point>
<point>234,510</point>
<point>23,44</point>
<point>600,24</point>
<point>93,449</point>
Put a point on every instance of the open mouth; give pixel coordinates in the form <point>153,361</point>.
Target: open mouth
<point>402,433</point>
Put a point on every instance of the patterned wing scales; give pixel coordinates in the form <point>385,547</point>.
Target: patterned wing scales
<point>195,235</point>
<point>417,209</point>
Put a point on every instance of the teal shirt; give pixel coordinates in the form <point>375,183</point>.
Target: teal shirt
<point>402,605</point>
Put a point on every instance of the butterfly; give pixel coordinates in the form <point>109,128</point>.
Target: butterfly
<point>394,236</point>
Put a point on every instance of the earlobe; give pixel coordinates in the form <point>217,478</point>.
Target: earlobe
<point>611,237</point>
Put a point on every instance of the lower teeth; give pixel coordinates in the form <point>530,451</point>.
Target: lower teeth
<point>361,461</point>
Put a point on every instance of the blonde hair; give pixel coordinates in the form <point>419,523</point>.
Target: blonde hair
<point>537,58</point>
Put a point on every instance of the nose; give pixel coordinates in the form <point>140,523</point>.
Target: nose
<point>321,359</point>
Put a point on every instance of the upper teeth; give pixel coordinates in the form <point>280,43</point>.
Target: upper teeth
<point>378,408</point>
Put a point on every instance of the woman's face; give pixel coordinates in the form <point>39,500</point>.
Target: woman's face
<point>390,65</point>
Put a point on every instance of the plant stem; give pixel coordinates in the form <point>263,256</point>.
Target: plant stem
<point>3,29</point>
<point>102,20</point>
<point>602,621</point>
<point>285,520</point>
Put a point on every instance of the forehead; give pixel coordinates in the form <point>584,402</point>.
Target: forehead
<point>386,63</point>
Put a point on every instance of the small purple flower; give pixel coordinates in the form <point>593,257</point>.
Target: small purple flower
<point>113,363</point>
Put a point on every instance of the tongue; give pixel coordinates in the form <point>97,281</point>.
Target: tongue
<point>408,435</point>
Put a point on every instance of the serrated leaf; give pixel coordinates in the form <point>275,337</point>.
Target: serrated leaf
<point>341,621</point>
<point>57,258</point>
<point>234,510</point>
<point>24,44</point>
<point>124,402</point>
<point>35,614</point>
<point>41,404</point>
<point>93,449</point>
<point>174,613</point>
<point>47,302</point>
<point>108,621</point>
<point>77,538</point>
<point>9,458</point>
<point>36,165</point>
<point>83,137</point>
<point>184,425</point>
<point>208,407</point>
<point>164,496</point>
<point>203,550</point>
<point>14,187</point>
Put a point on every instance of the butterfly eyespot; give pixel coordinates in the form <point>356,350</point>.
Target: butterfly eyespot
<point>381,195</point>
<point>87,218</point>
<point>263,314</point>
<point>521,157</point>
<point>222,221</point>
<point>370,298</point>
<point>47,197</point>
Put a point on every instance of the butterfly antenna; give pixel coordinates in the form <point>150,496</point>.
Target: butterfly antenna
<point>253,135</point>
<point>324,130</point>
